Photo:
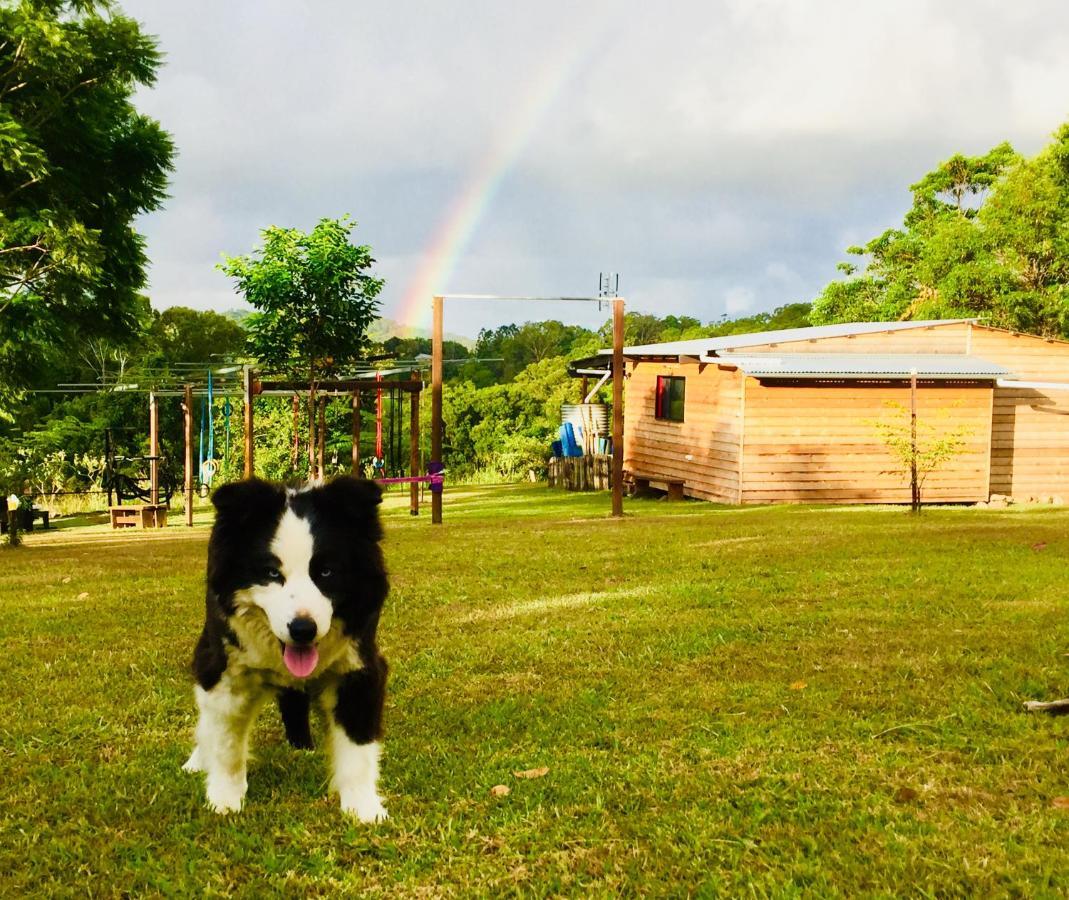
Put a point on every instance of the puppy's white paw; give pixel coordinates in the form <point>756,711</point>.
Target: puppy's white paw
<point>193,764</point>
<point>363,804</point>
<point>225,795</point>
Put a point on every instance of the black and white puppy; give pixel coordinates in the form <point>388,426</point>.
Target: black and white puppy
<point>296,583</point>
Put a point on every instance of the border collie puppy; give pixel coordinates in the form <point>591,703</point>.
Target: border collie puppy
<point>296,582</point>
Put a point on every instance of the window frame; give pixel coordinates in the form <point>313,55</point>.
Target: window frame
<point>664,399</point>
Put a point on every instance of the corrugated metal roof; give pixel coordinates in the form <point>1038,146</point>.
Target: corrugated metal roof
<point>707,346</point>
<point>862,365</point>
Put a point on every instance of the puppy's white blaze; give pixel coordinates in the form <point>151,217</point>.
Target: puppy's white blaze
<point>293,544</point>
<point>356,776</point>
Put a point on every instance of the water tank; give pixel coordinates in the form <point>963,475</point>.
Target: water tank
<point>593,421</point>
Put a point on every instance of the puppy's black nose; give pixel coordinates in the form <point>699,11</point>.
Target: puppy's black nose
<point>303,630</point>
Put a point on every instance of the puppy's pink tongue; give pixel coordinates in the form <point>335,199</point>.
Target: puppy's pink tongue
<point>300,660</point>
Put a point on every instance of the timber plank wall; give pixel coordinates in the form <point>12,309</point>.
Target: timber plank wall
<point>750,442</point>
<point>818,442</point>
<point>1030,430</point>
<point>710,434</point>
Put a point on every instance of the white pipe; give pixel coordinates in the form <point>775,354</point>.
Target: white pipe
<point>597,387</point>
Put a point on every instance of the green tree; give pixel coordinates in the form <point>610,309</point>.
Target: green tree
<point>534,342</point>
<point>792,315</point>
<point>78,163</point>
<point>919,446</point>
<point>180,334</point>
<point>986,237</point>
<point>315,297</point>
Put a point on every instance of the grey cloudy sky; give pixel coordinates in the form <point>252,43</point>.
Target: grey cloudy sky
<point>719,155</point>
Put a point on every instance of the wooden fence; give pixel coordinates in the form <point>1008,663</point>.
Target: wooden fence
<point>581,473</point>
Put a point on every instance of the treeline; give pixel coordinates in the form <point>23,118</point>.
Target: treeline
<point>55,439</point>
<point>501,408</point>
<point>986,236</point>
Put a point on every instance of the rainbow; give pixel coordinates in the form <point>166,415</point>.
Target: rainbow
<point>443,251</point>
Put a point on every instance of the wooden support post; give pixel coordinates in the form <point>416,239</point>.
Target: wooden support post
<point>295,454</point>
<point>618,407</point>
<point>109,469</point>
<point>356,434</point>
<point>312,440</point>
<point>915,490</point>
<point>584,389</point>
<point>436,405</point>
<point>187,461</point>
<point>250,462</point>
<point>154,448</point>
<point>413,453</point>
<point>321,468</point>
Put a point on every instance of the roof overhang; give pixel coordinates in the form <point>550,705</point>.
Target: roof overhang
<point>862,366</point>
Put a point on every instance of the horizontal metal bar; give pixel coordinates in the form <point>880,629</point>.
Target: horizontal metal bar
<point>335,387</point>
<point>529,299</point>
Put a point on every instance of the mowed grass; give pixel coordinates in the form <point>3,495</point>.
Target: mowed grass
<point>762,701</point>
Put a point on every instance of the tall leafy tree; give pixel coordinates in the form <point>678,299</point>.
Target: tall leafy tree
<point>315,298</point>
<point>180,334</point>
<point>986,236</point>
<point>77,164</point>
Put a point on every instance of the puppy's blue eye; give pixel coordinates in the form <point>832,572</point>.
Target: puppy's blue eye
<point>274,574</point>
<point>325,572</point>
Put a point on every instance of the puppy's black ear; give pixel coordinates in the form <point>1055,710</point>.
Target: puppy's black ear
<point>355,500</point>
<point>242,501</point>
<point>356,494</point>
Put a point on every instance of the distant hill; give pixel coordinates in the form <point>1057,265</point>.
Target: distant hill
<point>388,328</point>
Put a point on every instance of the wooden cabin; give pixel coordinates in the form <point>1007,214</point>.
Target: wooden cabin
<point>790,416</point>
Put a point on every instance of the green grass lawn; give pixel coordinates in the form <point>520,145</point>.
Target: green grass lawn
<point>767,701</point>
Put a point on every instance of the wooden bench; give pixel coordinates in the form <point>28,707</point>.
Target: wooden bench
<point>139,516</point>
<point>26,519</point>
<point>642,483</point>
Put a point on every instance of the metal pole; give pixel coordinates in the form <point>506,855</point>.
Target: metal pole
<point>436,407</point>
<point>187,465</point>
<point>618,407</point>
<point>250,462</point>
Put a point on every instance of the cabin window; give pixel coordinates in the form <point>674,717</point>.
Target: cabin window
<point>670,393</point>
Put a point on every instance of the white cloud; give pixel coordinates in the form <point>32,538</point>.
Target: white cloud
<point>714,153</point>
<point>738,300</point>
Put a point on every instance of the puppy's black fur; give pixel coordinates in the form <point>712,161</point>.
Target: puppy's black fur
<point>344,521</point>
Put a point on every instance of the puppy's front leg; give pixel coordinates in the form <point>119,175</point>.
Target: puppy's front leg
<point>226,718</point>
<point>355,714</point>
